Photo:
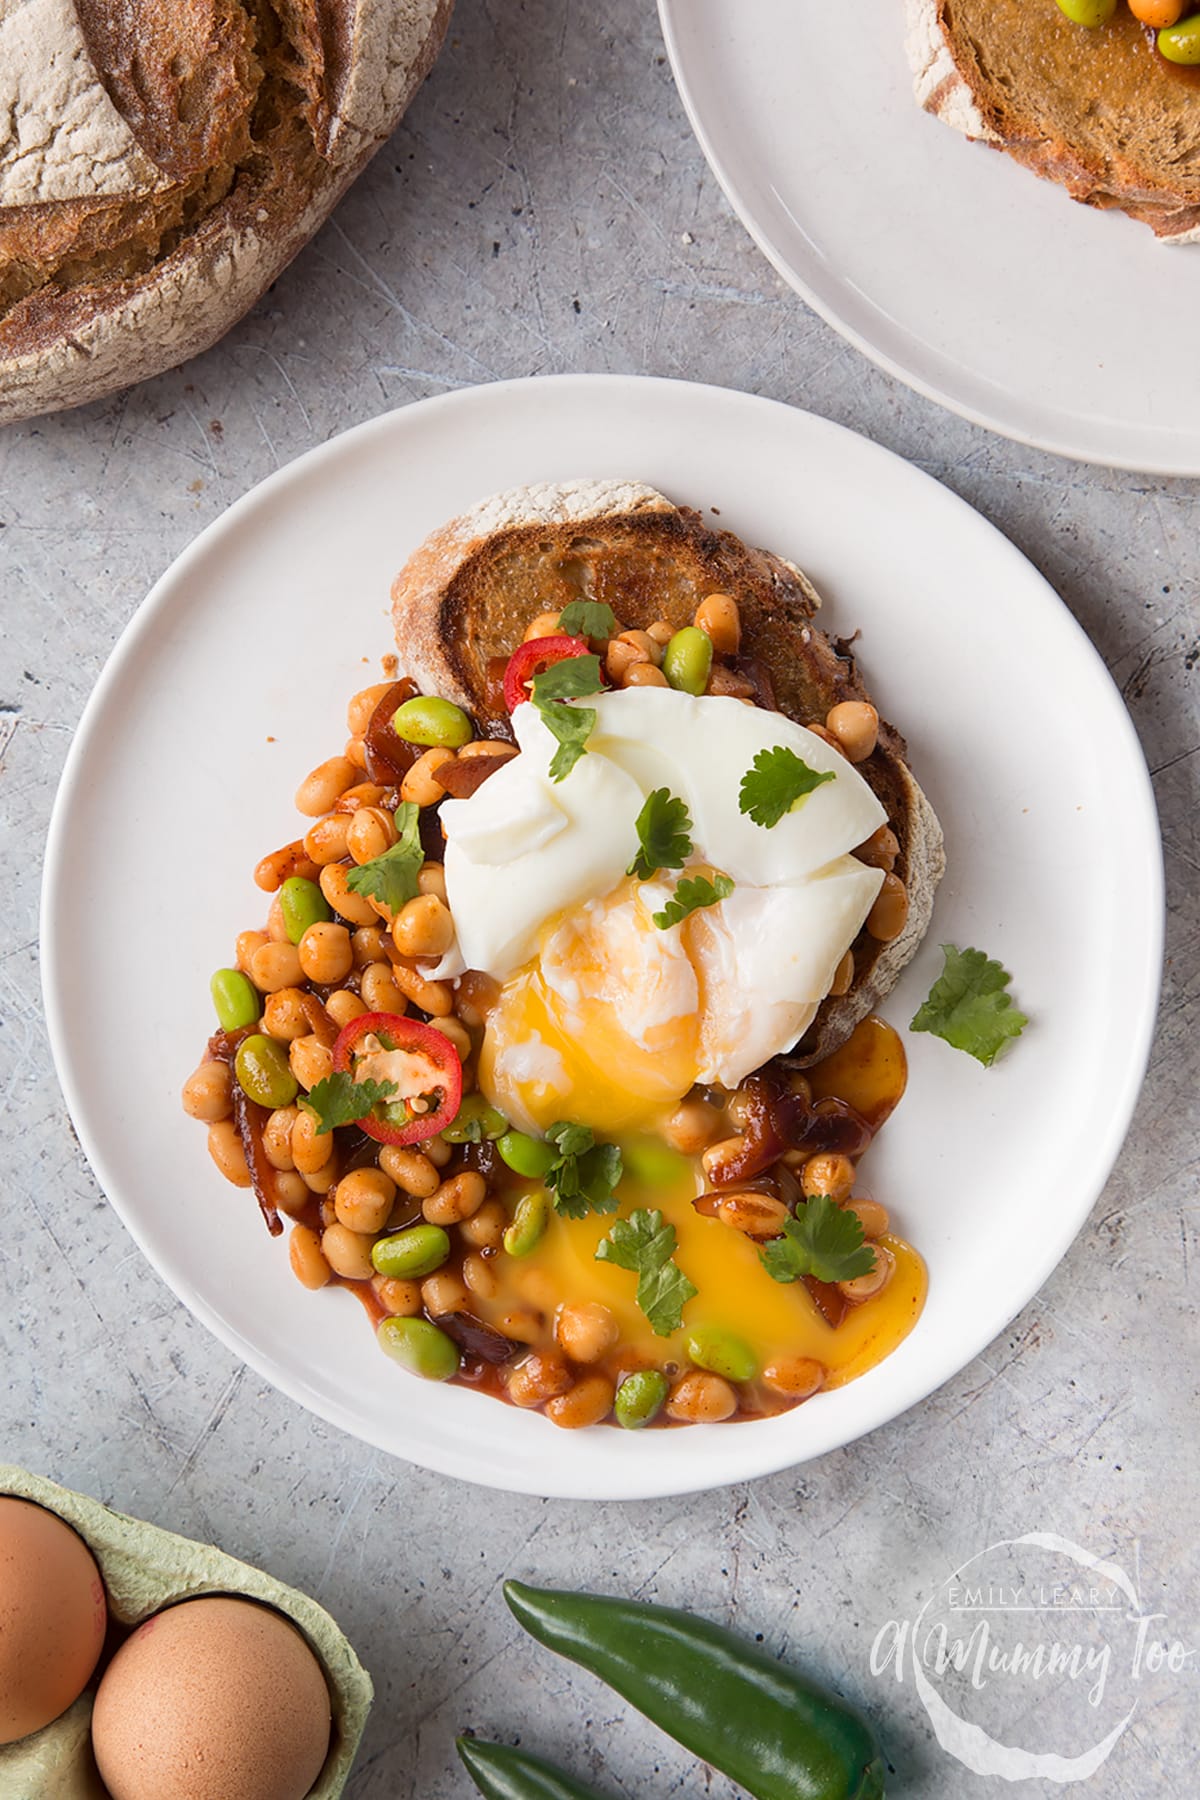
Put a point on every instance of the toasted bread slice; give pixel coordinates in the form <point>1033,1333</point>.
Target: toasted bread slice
<point>1098,111</point>
<point>466,596</point>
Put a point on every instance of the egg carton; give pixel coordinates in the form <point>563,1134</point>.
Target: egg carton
<point>144,1570</point>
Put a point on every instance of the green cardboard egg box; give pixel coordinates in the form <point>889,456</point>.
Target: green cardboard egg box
<point>145,1569</point>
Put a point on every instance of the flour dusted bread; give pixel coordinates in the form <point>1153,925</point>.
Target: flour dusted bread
<point>161,161</point>
<point>466,595</point>
<point>1098,111</point>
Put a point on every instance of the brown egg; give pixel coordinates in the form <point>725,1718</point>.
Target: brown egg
<point>52,1617</point>
<point>215,1699</point>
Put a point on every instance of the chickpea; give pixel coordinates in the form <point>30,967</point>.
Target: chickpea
<point>356,909</point>
<point>325,953</point>
<point>880,850</point>
<point>699,1398</point>
<point>871,1216</point>
<point>855,725</point>
<point>310,1060</point>
<point>459,1036</point>
<point>225,1148</point>
<point>521,1325</point>
<point>692,1127</point>
<point>277,931</point>
<point>284,1016</point>
<point>661,632</point>
<point>347,1252</point>
<point>444,1292</point>
<point>757,1215</point>
<point>363,1200</point>
<point>865,1287</point>
<point>311,1149</point>
<point>371,833</point>
<point>423,927</point>
<point>641,640</point>
<point>319,790</point>
<point>487,747</point>
<point>319,1181</point>
<point>795,1377</point>
<point>480,1276</point>
<point>545,625</point>
<point>402,1299</point>
<point>540,1376</point>
<point>277,1137</point>
<point>437,1150</point>
<point>291,1193</point>
<point>843,975</point>
<point>208,1093</point>
<point>362,707</point>
<point>586,1330</point>
<point>325,842</point>
<point>432,879</point>
<point>356,752</point>
<point>363,793</point>
<point>433,997</point>
<point>589,1401</point>
<point>308,1261</point>
<point>828,1173</point>
<point>369,944</point>
<point>456,1199</point>
<point>889,915</point>
<point>420,784</point>
<point>485,1229</point>
<point>412,1173</point>
<point>379,990</point>
<point>344,1006</point>
<point>720,619</point>
<point>827,737</point>
<point>247,943</point>
<point>621,656</point>
<point>644,674</point>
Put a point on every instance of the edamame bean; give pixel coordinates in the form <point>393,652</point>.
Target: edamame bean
<point>722,1354</point>
<point>1181,43</point>
<point>1089,12</point>
<point>474,1121</point>
<point>529,1223</point>
<point>640,1398</point>
<point>428,720</point>
<point>410,1254</point>
<point>419,1347</point>
<point>235,998</point>
<point>302,904</point>
<point>528,1156</point>
<point>263,1073</point>
<point>687,660</point>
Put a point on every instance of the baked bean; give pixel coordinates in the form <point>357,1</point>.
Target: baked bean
<point>423,927</point>
<point>274,869</point>
<point>369,944</point>
<point>400,1298</point>
<point>325,953</point>
<point>320,788</point>
<point>308,1261</point>
<point>644,674</point>
<point>356,909</point>
<point>855,725</point>
<point>344,1006</point>
<point>589,1401</point>
<point>545,625</point>
<point>433,997</point>
<point>411,1172</point>
<point>311,1149</point>
<point>432,879</point>
<point>208,1093</point>
<point>757,1215</point>
<point>1160,14</point>
<point>661,632</point>
<point>310,1060</point>
<point>247,943</point>
<point>871,1216</point>
<point>621,656</point>
<point>326,1212</point>
<point>889,915</point>
<point>719,1154</point>
<point>699,1398</point>
<point>490,749</point>
<point>225,1148</point>
<point>641,640</point>
<point>325,841</point>
<point>720,618</point>
<point>362,707</point>
<point>437,1150</point>
<point>586,1330</point>
<point>459,1036</point>
<point>456,1199</point>
<point>420,784</point>
<point>319,1181</point>
<point>880,850</point>
<point>692,1127</point>
<point>277,930</point>
<point>865,1287</point>
<point>363,793</point>
<point>843,975</point>
<point>444,1292</point>
<point>795,1377</point>
<point>363,1200</point>
<point>830,1174</point>
<point>485,1228</point>
<point>538,1377</point>
<point>284,1016</point>
<point>356,752</point>
<point>347,1252</point>
<point>480,1276</point>
<point>379,990</point>
<point>291,1193</point>
<point>371,833</point>
<point>521,1325</point>
<point>827,737</point>
<point>277,1137</point>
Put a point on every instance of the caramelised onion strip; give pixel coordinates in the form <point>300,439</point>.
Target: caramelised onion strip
<point>250,1118</point>
<point>465,775</point>
<point>477,1338</point>
<point>828,1126</point>
<point>319,1021</point>
<point>762,1141</point>
<point>389,758</point>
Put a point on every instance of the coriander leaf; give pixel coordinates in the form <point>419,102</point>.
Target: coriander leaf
<point>340,1100</point>
<point>392,877</point>
<point>572,726</point>
<point>774,782</point>
<point>570,679</point>
<point>968,1007</point>
<point>588,619</point>
<point>570,1140</point>
<point>662,826</point>
<point>584,1174</point>
<point>692,893</point>
<point>644,1244</point>
<point>824,1240</point>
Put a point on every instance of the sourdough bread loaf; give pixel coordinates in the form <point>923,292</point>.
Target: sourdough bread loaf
<point>161,161</point>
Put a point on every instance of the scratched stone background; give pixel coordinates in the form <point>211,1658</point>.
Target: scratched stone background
<point>544,208</point>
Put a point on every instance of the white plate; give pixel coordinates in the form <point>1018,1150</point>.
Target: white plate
<point>953,268</point>
<point>232,681</point>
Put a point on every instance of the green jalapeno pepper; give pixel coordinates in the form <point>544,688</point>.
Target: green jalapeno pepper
<point>501,1773</point>
<point>727,1701</point>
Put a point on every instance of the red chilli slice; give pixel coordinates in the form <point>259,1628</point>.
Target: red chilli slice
<point>534,658</point>
<point>420,1040</point>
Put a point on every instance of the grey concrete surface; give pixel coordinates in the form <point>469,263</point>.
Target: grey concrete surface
<point>545,208</point>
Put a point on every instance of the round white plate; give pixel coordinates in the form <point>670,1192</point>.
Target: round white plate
<point>232,681</point>
<point>953,268</point>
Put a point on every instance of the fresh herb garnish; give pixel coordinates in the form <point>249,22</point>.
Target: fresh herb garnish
<point>774,782</point>
<point>824,1240</point>
<point>662,826</point>
<point>587,619</point>
<point>584,1174</point>
<point>340,1100</point>
<point>570,679</point>
<point>968,1006</point>
<point>392,877</point>
<point>645,1244</point>
<point>692,893</point>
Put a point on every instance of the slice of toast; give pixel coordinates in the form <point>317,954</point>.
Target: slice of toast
<point>1098,111</point>
<point>466,596</point>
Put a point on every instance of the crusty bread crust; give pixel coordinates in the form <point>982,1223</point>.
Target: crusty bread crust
<point>950,83</point>
<point>468,592</point>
